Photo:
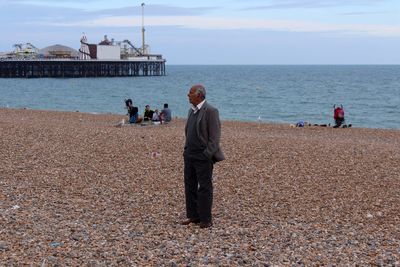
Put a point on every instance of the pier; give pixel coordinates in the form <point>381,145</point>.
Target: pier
<point>67,68</point>
<point>109,58</point>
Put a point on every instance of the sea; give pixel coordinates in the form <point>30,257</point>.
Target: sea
<point>370,94</point>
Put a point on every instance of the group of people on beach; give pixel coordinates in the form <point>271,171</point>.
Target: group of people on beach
<point>149,115</point>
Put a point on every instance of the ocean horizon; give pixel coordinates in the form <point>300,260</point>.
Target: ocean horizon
<point>370,94</point>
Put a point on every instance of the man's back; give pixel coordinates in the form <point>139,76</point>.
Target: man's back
<point>167,114</point>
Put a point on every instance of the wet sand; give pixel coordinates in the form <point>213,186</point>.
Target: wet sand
<point>78,191</point>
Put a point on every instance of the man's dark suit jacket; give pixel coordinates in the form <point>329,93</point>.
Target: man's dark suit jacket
<point>209,131</point>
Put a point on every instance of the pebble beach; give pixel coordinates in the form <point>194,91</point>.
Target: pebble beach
<point>76,190</point>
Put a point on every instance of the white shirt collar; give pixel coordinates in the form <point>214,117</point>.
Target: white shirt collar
<point>198,107</point>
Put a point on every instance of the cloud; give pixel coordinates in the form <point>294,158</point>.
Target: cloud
<point>121,10</point>
<point>22,11</point>
<point>290,4</point>
<point>218,23</point>
<point>360,13</point>
<point>47,2</point>
<point>192,18</point>
<point>15,14</point>
<point>156,10</point>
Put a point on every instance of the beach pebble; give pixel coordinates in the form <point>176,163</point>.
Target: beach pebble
<point>77,191</point>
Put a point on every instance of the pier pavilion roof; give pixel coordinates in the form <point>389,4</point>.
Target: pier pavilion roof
<point>59,51</point>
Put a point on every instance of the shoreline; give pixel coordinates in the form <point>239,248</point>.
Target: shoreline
<point>76,190</point>
<point>291,124</point>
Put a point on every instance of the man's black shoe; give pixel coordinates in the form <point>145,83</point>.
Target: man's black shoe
<point>189,221</point>
<point>205,225</point>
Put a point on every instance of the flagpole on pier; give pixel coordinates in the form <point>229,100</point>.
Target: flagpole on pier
<point>143,41</point>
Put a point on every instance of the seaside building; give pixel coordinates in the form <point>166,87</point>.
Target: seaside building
<point>58,51</point>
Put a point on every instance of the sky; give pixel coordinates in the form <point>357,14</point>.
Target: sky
<point>206,32</point>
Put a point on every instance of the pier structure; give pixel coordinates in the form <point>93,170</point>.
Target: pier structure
<point>37,68</point>
<point>108,58</point>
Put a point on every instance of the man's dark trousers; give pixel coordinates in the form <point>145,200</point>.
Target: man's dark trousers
<point>198,187</point>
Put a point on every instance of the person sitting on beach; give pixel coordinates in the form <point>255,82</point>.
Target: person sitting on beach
<point>156,116</point>
<point>166,113</point>
<point>300,124</point>
<point>338,116</point>
<point>133,112</point>
<point>148,113</point>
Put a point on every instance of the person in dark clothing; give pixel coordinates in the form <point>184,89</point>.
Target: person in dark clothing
<point>148,113</point>
<point>202,150</point>
<point>133,112</point>
<point>166,113</point>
